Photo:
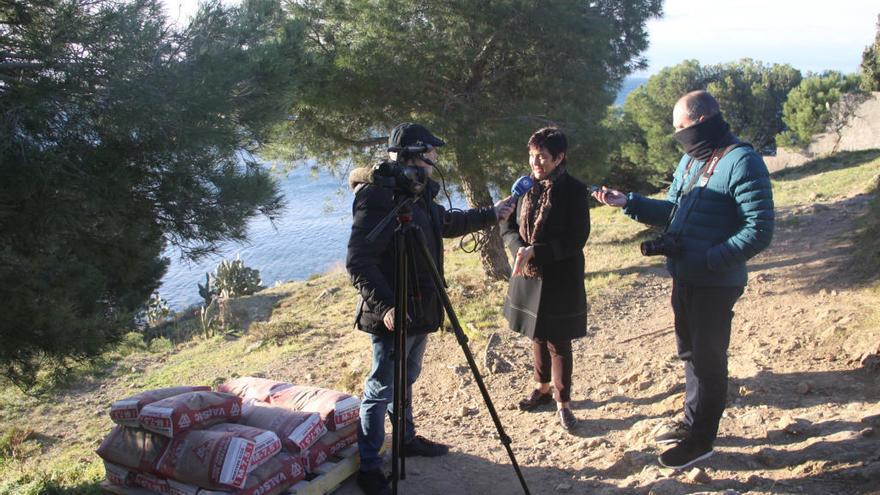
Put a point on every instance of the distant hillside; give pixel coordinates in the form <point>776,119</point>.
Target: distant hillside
<point>629,84</point>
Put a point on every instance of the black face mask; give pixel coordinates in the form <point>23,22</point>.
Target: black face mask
<point>700,140</point>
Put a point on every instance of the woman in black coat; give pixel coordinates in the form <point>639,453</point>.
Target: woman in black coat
<point>546,299</point>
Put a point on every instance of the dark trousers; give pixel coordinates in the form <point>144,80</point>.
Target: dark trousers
<point>702,333</point>
<point>553,361</point>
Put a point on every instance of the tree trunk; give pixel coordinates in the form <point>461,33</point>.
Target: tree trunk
<point>493,255</point>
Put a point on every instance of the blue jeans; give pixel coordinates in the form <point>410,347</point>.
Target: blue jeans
<point>378,393</point>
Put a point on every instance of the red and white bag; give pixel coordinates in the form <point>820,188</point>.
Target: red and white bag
<point>193,410</point>
<point>133,448</point>
<point>297,430</point>
<point>266,443</point>
<point>337,409</point>
<point>118,475</point>
<point>249,387</point>
<point>178,488</point>
<point>125,411</point>
<point>272,478</point>
<point>329,445</point>
<point>209,459</point>
<point>152,483</point>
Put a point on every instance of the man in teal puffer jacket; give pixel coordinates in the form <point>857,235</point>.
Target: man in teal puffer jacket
<point>718,213</point>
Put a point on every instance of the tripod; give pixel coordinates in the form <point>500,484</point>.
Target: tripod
<point>409,245</point>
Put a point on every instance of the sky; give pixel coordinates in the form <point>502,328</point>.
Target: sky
<point>810,35</point>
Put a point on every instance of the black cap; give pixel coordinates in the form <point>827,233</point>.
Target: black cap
<point>408,134</point>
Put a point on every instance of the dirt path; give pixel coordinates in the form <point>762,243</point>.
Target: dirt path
<point>803,411</point>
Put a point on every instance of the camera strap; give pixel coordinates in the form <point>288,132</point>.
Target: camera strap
<point>702,175</point>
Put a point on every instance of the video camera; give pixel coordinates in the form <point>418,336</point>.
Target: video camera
<point>409,180</point>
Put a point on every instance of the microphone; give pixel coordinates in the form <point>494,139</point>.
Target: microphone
<point>520,187</point>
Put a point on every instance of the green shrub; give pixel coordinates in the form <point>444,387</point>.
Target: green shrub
<point>131,342</point>
<point>155,312</point>
<point>808,108</point>
<point>16,443</point>
<point>234,279</point>
<point>161,344</point>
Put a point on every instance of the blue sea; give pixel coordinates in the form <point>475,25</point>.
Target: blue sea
<point>310,237</point>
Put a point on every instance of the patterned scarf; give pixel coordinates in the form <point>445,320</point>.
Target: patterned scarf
<point>535,210</point>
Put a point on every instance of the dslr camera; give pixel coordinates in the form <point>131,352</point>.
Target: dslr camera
<point>666,245</point>
<point>408,180</point>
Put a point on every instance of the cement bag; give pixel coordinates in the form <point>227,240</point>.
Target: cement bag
<point>152,482</point>
<point>249,387</point>
<point>297,430</point>
<point>329,445</point>
<point>125,411</point>
<point>272,478</point>
<point>178,488</point>
<point>133,448</point>
<point>118,475</point>
<point>266,443</point>
<point>172,416</point>
<point>209,459</point>
<point>337,409</point>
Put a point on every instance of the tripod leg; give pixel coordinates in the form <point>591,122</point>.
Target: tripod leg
<point>399,392</point>
<point>462,341</point>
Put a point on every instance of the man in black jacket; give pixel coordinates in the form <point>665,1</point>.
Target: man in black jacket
<point>371,267</point>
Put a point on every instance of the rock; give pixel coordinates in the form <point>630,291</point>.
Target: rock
<point>867,432</point>
<point>666,487</point>
<point>563,487</point>
<point>645,385</point>
<point>805,387</point>
<point>592,443</point>
<point>253,347</point>
<point>871,361</point>
<point>642,432</point>
<point>628,379</point>
<point>467,411</point>
<point>697,475</point>
<point>796,427</point>
<point>670,405</point>
<point>326,293</point>
<point>873,420</point>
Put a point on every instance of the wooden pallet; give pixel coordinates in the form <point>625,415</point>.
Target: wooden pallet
<point>326,477</point>
<point>120,490</point>
<point>329,475</point>
<point>333,472</point>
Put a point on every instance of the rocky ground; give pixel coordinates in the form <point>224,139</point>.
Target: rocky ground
<point>804,400</point>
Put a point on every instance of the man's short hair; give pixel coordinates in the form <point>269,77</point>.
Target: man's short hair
<point>699,104</point>
<point>551,139</point>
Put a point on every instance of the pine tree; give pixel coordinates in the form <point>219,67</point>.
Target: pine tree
<point>120,135</point>
<point>481,75</point>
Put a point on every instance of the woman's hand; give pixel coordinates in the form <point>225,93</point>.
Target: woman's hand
<point>523,256</point>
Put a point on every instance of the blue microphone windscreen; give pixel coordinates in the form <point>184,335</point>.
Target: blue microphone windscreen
<point>521,186</point>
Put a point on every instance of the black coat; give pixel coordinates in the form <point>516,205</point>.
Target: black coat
<point>371,265</point>
<point>553,307</point>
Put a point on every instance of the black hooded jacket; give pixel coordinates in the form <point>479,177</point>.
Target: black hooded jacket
<point>371,265</point>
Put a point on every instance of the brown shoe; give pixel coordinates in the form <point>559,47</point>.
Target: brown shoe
<point>534,400</point>
<point>566,418</point>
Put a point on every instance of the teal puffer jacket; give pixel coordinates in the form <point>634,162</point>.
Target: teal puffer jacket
<point>722,223</point>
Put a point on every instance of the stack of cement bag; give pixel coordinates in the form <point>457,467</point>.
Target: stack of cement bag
<point>195,441</point>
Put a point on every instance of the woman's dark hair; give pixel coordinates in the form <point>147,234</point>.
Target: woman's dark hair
<point>551,139</point>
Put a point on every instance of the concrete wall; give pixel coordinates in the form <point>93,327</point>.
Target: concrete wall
<point>861,133</point>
